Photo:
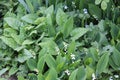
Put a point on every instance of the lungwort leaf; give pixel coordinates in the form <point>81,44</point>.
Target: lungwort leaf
<point>30,18</point>
<point>10,42</point>
<point>13,22</point>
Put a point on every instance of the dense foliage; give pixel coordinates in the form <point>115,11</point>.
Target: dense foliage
<point>60,39</point>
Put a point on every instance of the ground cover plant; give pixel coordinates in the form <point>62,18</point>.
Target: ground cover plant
<point>59,40</point>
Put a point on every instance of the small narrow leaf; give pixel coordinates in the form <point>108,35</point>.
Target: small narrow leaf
<point>40,64</point>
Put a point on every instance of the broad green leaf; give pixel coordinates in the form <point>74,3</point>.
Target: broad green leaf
<point>50,46</point>
<point>97,2</point>
<point>114,31</point>
<point>61,17</point>
<point>102,63</point>
<point>50,61</point>
<point>17,38</point>
<point>60,61</point>
<point>40,77</point>
<point>12,71</point>
<point>9,31</point>
<point>67,28</point>
<point>115,56</point>
<point>77,33</point>
<point>95,11</point>
<point>32,76</point>
<point>9,41</point>
<point>27,42</point>
<point>13,22</point>
<point>73,75</point>
<point>104,5</point>
<point>89,71</point>
<point>40,64</point>
<point>3,71</point>
<point>42,53</point>
<point>26,54</point>
<point>39,20</point>
<point>50,10</point>
<point>52,75</point>
<point>30,18</point>
<point>21,78</point>
<point>32,64</point>
<point>81,73</point>
<point>112,63</point>
<point>94,53</point>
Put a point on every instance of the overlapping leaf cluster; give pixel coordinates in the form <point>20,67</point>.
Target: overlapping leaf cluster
<point>61,40</point>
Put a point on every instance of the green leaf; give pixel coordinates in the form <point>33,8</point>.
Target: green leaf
<point>27,42</point>
<point>50,46</point>
<point>67,28</point>
<point>60,61</point>
<point>32,64</point>
<point>17,38</point>
<point>102,63</point>
<point>52,75</point>
<point>26,54</point>
<point>115,56</point>
<point>40,77</point>
<point>97,2</point>
<point>81,73</point>
<point>10,42</point>
<point>29,4</point>
<point>50,10</point>
<point>61,17</point>
<point>71,47</point>
<point>95,11</point>
<point>3,71</point>
<point>104,5</point>
<point>21,78</point>
<point>50,61</point>
<point>30,18</point>
<point>89,71</point>
<point>13,22</point>
<point>40,20</point>
<point>77,33</point>
<point>40,64</point>
<point>9,31</point>
<point>51,30</point>
<point>12,71</point>
<point>73,75</point>
<point>107,1</point>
